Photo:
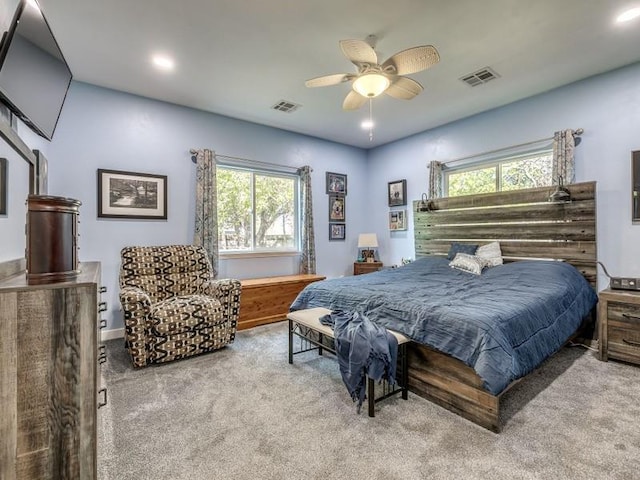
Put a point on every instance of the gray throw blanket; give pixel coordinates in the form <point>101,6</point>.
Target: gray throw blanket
<point>363,349</point>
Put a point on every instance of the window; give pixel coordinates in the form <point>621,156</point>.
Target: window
<point>513,173</point>
<point>257,211</point>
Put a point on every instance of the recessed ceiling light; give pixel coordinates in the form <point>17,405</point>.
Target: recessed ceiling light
<point>628,15</point>
<point>367,124</point>
<point>163,62</point>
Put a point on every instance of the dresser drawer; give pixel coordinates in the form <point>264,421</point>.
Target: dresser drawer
<point>623,331</point>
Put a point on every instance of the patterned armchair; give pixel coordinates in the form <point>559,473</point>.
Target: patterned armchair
<point>173,308</point>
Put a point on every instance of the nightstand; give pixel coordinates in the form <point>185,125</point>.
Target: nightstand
<point>360,268</point>
<point>619,325</point>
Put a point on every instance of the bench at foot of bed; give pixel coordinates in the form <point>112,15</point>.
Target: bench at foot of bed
<point>306,325</point>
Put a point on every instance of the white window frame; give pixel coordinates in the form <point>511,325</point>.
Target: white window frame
<point>297,215</point>
<point>493,163</point>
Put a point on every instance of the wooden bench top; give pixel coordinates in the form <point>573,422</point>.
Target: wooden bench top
<point>284,279</point>
<point>310,318</point>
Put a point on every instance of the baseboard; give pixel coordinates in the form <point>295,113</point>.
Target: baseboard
<point>111,334</point>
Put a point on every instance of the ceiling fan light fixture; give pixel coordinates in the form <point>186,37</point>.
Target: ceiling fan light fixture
<point>371,85</point>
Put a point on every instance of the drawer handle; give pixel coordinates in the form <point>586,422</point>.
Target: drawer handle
<point>103,323</point>
<point>630,317</point>
<point>631,342</point>
<point>103,290</point>
<point>102,391</point>
<point>102,307</point>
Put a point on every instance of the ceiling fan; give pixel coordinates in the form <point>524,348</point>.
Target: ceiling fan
<point>374,78</point>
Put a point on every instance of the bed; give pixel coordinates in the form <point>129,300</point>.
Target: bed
<point>476,336</point>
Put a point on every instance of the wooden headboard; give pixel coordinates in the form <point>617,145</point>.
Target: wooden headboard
<point>525,223</point>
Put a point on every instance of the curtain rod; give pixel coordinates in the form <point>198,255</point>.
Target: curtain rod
<point>576,133</point>
<point>193,152</point>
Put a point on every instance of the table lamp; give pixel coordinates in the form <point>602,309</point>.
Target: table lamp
<point>367,242</point>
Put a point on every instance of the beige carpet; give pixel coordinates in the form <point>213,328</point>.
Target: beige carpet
<point>245,413</point>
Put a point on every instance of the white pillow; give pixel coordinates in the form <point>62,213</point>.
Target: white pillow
<point>468,263</point>
<point>491,253</point>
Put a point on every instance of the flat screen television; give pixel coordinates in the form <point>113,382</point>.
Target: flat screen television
<point>34,76</point>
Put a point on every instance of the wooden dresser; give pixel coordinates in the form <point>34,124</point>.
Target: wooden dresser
<point>267,300</point>
<point>48,378</point>
<point>360,268</point>
<point>619,325</point>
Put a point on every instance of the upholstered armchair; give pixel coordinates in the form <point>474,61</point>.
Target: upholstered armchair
<point>173,308</point>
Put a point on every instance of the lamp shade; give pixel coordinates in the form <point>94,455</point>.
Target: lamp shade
<point>367,240</point>
<point>371,85</point>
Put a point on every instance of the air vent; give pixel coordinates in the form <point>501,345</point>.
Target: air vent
<point>483,75</point>
<point>286,106</point>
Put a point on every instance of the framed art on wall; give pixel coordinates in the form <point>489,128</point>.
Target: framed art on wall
<point>337,231</point>
<point>131,195</point>
<point>398,220</point>
<point>3,186</point>
<point>336,183</point>
<point>397,193</point>
<point>336,208</point>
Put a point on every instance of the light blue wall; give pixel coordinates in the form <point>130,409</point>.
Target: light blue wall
<point>101,128</point>
<point>606,106</point>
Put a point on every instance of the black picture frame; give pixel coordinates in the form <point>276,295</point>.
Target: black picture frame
<point>397,193</point>
<point>337,231</point>
<point>120,192</point>
<point>3,186</point>
<point>336,183</point>
<point>337,208</point>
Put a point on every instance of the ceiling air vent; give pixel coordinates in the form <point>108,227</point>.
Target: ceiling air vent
<point>286,106</point>
<point>483,75</point>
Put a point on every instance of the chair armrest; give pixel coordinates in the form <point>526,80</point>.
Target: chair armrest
<point>227,291</point>
<point>136,305</point>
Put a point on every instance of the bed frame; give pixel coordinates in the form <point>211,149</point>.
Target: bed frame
<point>527,226</point>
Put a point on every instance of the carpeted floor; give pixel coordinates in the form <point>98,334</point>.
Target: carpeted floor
<point>244,413</point>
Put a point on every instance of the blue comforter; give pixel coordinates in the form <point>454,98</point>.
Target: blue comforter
<point>503,323</point>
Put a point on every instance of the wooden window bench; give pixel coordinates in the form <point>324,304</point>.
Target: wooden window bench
<point>267,300</point>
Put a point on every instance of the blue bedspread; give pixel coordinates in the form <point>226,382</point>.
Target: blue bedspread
<point>503,323</point>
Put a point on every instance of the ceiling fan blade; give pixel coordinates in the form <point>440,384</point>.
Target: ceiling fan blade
<point>328,80</point>
<point>404,88</point>
<point>359,52</point>
<point>353,101</point>
<point>412,60</point>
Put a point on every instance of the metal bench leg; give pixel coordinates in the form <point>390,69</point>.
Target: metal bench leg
<point>370,396</point>
<point>290,341</point>
<point>320,336</point>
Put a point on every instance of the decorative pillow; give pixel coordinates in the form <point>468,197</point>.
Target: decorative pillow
<point>468,263</point>
<point>491,253</point>
<point>461,248</point>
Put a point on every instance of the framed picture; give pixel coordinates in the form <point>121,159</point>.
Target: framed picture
<point>398,220</point>
<point>336,231</point>
<point>397,193</point>
<point>131,195</point>
<point>336,208</point>
<point>336,183</point>
<point>3,186</point>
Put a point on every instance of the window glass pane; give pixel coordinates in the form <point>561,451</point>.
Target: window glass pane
<point>275,212</point>
<point>234,209</point>
<point>482,180</point>
<point>528,172</point>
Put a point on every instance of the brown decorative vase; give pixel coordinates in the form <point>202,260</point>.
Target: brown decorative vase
<point>52,244</point>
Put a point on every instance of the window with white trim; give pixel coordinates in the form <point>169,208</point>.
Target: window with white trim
<point>512,173</point>
<point>258,210</point>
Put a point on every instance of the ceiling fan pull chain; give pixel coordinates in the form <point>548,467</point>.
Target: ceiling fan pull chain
<point>370,119</point>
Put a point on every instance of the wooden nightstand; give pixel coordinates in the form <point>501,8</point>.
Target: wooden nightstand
<point>619,325</point>
<point>360,268</point>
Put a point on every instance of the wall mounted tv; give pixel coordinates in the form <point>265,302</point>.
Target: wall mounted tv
<point>34,76</point>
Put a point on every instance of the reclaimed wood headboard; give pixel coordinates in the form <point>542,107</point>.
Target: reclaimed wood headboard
<point>525,223</point>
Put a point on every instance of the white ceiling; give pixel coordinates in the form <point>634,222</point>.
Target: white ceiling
<point>240,57</point>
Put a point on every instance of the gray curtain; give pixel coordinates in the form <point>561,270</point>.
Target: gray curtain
<point>308,257</point>
<point>435,179</point>
<point>563,158</point>
<point>206,224</point>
